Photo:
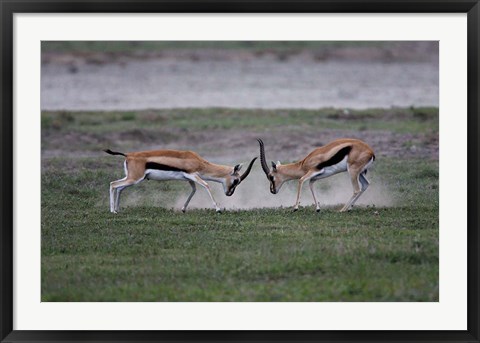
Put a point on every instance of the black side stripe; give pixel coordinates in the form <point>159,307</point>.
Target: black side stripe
<point>158,166</point>
<point>338,157</point>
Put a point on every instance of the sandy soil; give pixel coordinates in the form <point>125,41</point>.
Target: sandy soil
<point>262,81</point>
<point>287,145</point>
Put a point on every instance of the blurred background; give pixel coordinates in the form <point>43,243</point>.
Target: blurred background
<point>144,75</point>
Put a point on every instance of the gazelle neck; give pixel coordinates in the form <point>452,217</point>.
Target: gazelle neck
<point>215,171</point>
<point>291,171</point>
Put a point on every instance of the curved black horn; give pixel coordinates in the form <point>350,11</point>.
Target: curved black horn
<point>244,175</point>
<point>263,161</point>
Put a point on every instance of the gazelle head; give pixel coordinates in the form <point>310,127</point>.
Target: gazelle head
<point>275,176</point>
<point>234,178</point>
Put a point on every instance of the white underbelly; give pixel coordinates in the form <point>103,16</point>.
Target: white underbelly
<point>164,175</point>
<point>333,169</point>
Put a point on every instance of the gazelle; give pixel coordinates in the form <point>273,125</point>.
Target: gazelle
<point>341,155</point>
<point>165,165</point>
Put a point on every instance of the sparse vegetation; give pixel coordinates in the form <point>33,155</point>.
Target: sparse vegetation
<point>150,252</point>
<point>260,46</point>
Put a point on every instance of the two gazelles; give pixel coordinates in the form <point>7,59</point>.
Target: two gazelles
<point>341,155</point>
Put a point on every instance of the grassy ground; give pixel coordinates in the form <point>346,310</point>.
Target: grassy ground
<point>404,120</point>
<point>127,46</point>
<point>149,252</point>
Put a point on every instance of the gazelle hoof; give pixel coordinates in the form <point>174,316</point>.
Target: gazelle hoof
<point>295,209</point>
<point>318,210</point>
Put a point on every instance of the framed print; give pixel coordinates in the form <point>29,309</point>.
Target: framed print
<point>238,105</point>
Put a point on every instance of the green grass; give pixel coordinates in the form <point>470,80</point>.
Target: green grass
<point>151,252</point>
<point>413,120</point>
<point>164,126</point>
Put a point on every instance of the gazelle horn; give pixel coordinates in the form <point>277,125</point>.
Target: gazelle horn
<point>244,175</point>
<point>263,161</point>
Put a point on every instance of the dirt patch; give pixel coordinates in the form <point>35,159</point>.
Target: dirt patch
<point>57,143</point>
<point>345,115</point>
<point>386,52</point>
<point>221,145</point>
<point>292,146</point>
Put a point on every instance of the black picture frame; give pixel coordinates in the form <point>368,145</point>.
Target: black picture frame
<point>9,8</point>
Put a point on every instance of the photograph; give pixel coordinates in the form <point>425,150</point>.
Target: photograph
<point>239,171</point>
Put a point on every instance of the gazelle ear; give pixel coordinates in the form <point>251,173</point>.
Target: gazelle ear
<point>237,168</point>
<point>274,166</point>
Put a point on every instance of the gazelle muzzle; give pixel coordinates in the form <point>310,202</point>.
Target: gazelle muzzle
<point>238,181</point>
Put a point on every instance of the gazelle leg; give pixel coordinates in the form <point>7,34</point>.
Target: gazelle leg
<point>112,198</point>
<point>205,185</point>
<point>194,189</point>
<point>358,189</point>
<point>118,187</point>
<point>352,201</point>
<point>304,178</point>
<point>117,198</point>
<point>113,193</point>
<point>317,205</point>
<point>365,183</point>
<point>135,173</point>
<point>348,205</point>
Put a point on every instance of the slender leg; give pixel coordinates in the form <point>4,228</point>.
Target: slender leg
<point>118,187</point>
<point>113,193</point>
<point>304,178</point>
<point>360,184</point>
<point>112,198</point>
<point>317,205</point>
<point>356,190</point>
<point>194,189</point>
<point>300,184</point>
<point>365,183</point>
<point>348,206</point>
<point>117,198</point>
<point>207,187</point>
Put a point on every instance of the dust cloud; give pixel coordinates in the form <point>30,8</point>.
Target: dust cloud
<point>254,192</point>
